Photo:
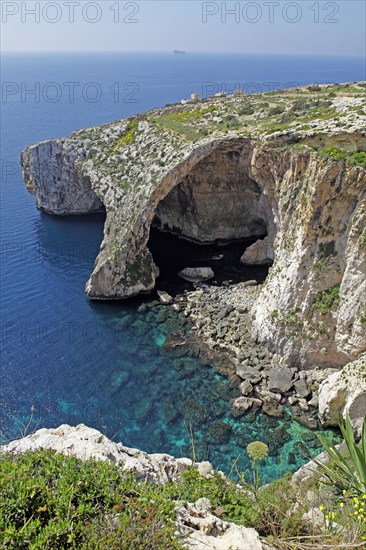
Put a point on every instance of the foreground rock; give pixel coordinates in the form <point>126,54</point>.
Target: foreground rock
<point>84,442</point>
<point>344,393</point>
<point>197,527</point>
<point>205,531</point>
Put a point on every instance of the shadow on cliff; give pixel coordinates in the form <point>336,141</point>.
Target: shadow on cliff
<point>67,241</point>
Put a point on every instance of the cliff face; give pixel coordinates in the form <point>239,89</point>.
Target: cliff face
<point>51,175</point>
<point>222,171</point>
<point>311,305</point>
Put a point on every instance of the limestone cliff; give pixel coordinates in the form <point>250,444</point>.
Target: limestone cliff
<point>284,165</point>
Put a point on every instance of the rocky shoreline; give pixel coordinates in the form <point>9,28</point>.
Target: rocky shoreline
<point>288,165</point>
<point>221,318</point>
<point>285,167</point>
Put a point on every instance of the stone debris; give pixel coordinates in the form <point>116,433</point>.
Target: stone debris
<point>259,253</point>
<point>164,297</point>
<point>280,379</point>
<point>222,317</point>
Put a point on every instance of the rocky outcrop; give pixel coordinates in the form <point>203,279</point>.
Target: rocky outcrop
<point>181,169</point>
<point>344,393</point>
<point>259,253</point>
<point>84,443</point>
<point>205,531</point>
<point>51,174</point>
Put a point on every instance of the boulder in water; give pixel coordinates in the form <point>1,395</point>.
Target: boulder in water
<point>196,274</point>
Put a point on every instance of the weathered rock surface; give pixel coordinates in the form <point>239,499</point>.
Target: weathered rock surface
<point>215,185</point>
<point>204,531</point>
<point>259,253</point>
<point>344,393</point>
<point>164,298</point>
<point>196,274</point>
<point>84,442</point>
<point>51,175</point>
<point>280,379</point>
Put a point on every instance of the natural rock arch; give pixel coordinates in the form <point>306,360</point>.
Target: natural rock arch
<point>216,194</point>
<point>315,221</point>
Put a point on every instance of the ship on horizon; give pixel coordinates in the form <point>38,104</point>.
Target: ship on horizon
<point>179,52</point>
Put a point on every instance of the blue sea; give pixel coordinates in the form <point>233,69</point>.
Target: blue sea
<point>68,360</point>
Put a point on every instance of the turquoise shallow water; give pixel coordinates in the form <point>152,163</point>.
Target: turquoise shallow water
<point>157,390</point>
<point>112,366</point>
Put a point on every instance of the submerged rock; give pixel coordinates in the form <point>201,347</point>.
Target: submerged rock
<point>218,432</point>
<point>194,412</point>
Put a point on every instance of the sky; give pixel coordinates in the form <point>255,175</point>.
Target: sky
<point>265,26</point>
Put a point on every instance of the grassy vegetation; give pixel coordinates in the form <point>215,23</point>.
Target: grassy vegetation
<point>185,123</point>
<point>326,300</point>
<point>355,158</point>
<point>128,137</point>
<point>52,501</point>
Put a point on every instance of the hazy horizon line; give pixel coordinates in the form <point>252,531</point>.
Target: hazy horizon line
<point>187,52</point>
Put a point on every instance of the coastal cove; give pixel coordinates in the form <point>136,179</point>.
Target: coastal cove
<point>72,360</point>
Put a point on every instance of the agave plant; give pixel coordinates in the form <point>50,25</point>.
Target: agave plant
<point>347,471</point>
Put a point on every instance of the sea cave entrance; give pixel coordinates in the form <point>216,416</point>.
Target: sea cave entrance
<point>209,218</point>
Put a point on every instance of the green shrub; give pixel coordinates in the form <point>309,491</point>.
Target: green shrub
<point>347,471</point>
<point>246,110</point>
<point>355,158</point>
<point>128,137</point>
<point>358,159</point>
<point>275,511</point>
<point>51,501</point>
<point>279,109</point>
<point>326,300</point>
<point>333,153</point>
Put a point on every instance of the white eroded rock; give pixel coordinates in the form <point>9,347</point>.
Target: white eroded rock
<point>84,442</point>
<point>204,531</point>
<point>344,392</point>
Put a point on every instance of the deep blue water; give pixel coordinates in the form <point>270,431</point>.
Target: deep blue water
<point>70,360</point>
